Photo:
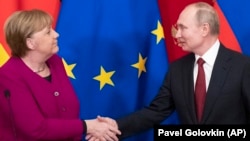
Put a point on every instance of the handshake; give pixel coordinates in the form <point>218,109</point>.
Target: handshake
<point>102,129</point>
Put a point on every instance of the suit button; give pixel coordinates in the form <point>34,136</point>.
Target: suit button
<point>63,109</point>
<point>56,93</point>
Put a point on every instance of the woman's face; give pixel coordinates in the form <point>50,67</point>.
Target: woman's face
<point>45,41</point>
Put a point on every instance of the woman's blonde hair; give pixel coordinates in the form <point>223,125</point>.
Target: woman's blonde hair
<point>21,25</point>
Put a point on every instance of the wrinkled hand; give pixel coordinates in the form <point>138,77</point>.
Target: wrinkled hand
<point>102,129</point>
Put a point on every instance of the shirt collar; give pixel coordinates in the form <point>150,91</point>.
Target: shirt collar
<point>210,56</point>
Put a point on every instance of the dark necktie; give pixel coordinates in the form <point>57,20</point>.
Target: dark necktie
<point>200,89</point>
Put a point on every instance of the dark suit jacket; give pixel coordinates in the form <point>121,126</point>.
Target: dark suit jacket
<point>227,99</point>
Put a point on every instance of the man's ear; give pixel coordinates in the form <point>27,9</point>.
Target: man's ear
<point>205,29</point>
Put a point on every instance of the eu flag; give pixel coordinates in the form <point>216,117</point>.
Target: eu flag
<point>114,54</point>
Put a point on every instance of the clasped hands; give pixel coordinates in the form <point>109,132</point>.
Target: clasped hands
<point>102,129</point>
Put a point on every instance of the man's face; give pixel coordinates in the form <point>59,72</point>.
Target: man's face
<point>189,33</point>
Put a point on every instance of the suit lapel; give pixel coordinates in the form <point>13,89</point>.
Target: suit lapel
<point>219,75</point>
<point>188,85</point>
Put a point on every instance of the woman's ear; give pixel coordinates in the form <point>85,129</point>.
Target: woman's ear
<point>30,43</point>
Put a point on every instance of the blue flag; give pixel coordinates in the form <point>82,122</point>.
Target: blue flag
<point>237,15</point>
<point>114,54</point>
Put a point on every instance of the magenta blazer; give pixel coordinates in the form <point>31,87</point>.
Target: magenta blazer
<point>34,109</point>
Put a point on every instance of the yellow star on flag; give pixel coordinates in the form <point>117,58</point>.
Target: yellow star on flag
<point>104,78</point>
<point>140,65</point>
<point>4,56</point>
<point>158,32</point>
<point>69,69</point>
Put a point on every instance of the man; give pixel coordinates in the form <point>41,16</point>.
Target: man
<point>226,86</point>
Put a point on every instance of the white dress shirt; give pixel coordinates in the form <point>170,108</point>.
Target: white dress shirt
<point>209,58</point>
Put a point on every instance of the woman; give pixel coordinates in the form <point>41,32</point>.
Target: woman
<point>38,101</point>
